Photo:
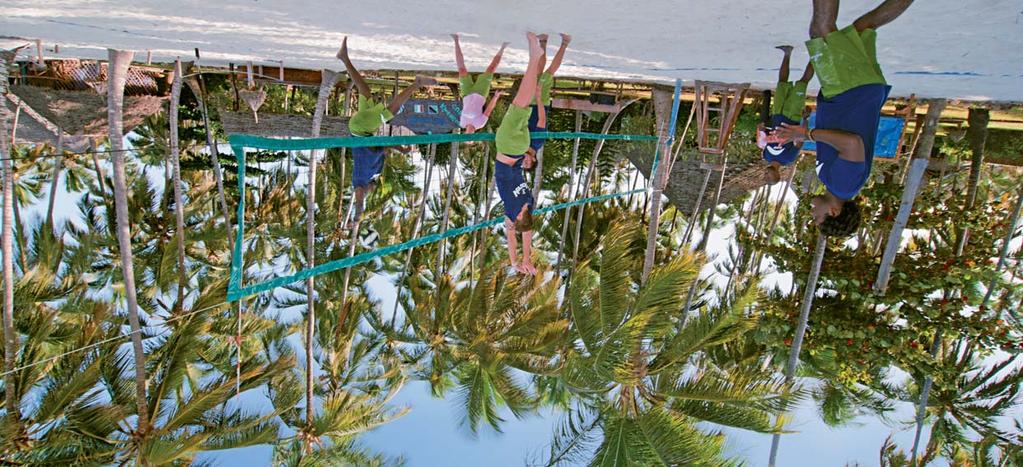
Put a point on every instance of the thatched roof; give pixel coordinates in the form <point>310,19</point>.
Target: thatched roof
<point>281,125</point>
<point>76,113</point>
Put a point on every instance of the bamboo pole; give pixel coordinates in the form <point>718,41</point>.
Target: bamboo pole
<point>921,158</point>
<point>804,317</point>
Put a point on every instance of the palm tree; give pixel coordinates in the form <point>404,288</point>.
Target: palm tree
<point>179,209</point>
<point>645,385</point>
<point>477,338</point>
<point>969,397</point>
<point>118,72</point>
<point>10,339</point>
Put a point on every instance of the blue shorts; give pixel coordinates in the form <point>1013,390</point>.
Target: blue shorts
<point>534,118</point>
<point>512,187</point>
<point>367,164</point>
<point>783,155</point>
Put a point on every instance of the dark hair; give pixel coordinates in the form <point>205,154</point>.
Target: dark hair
<point>524,223</point>
<point>845,223</point>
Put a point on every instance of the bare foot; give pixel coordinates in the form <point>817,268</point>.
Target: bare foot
<point>528,268</point>
<point>455,36</point>
<point>785,48</point>
<point>543,40</point>
<point>343,53</point>
<point>505,45</point>
<point>424,81</point>
<point>521,268</point>
<point>565,38</point>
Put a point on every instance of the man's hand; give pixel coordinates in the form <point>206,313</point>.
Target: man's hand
<point>786,133</point>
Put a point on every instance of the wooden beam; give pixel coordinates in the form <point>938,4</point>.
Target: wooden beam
<point>585,106</point>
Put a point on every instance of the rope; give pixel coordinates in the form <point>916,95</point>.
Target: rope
<point>275,144</point>
<point>235,293</point>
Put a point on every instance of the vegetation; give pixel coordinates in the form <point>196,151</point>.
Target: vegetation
<point>635,378</point>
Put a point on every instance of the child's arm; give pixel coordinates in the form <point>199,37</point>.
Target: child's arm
<point>509,233</point>
<point>493,103</point>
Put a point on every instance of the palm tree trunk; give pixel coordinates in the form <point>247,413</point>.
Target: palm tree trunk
<point>58,165</point>
<point>976,134</point>
<point>179,209</point>
<point>452,168</point>
<point>199,91</point>
<point>10,339</point>
<point>667,113</point>
<point>418,225</point>
<point>327,81</point>
<point>804,317</point>
<point>916,173</point>
<point>571,188</point>
<point>119,62</point>
<point>585,185</point>
<point>925,392</point>
<point>1013,223</point>
<point>691,228</point>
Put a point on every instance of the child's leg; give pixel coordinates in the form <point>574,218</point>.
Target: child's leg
<point>406,93</point>
<point>882,15</point>
<point>543,57</point>
<point>527,88</point>
<point>807,73</point>
<point>541,117</point>
<point>825,15</point>
<point>527,252</point>
<point>354,74</point>
<point>560,55</point>
<point>462,71</point>
<point>783,70</point>
<point>509,233</point>
<point>496,60</point>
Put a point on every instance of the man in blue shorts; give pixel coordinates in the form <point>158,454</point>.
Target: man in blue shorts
<point>853,90</point>
<point>786,107</point>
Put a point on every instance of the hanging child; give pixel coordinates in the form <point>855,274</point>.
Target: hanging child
<point>368,162</point>
<point>512,142</point>
<point>474,90</point>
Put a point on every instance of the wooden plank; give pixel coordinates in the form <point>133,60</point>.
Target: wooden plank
<point>584,105</point>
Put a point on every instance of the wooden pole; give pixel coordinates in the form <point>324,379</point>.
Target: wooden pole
<point>804,317</point>
<point>921,158</point>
